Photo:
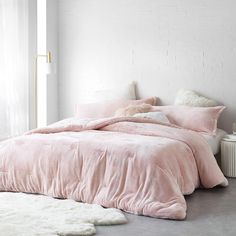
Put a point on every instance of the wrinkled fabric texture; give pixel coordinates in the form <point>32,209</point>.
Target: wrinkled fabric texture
<point>134,164</point>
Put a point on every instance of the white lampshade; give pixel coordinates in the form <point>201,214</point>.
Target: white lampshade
<point>48,68</point>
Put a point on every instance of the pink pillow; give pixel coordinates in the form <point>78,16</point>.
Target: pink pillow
<point>132,110</point>
<point>107,108</point>
<point>201,119</point>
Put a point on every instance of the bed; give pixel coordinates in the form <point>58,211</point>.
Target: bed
<point>135,164</point>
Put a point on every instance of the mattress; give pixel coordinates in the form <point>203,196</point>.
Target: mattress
<point>214,141</point>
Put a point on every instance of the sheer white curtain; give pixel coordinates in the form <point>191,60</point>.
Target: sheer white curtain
<point>14,71</point>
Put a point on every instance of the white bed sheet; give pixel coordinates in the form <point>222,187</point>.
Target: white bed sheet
<point>214,141</point>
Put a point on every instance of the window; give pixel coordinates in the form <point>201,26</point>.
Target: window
<point>14,69</point>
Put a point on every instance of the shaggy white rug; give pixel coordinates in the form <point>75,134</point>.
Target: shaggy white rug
<point>36,215</point>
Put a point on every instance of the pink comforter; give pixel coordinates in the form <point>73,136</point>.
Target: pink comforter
<point>133,164</point>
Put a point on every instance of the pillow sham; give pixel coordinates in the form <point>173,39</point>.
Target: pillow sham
<point>201,119</point>
<point>124,91</point>
<point>158,116</point>
<point>191,98</point>
<point>107,108</point>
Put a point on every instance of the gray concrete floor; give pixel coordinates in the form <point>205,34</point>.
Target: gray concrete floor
<point>210,213</point>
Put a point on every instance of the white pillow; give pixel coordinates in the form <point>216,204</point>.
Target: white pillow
<point>158,116</point>
<point>191,98</point>
<point>121,92</point>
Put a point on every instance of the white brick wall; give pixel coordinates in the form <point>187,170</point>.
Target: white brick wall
<point>164,45</point>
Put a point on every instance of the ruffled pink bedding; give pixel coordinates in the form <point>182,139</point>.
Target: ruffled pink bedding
<point>133,164</point>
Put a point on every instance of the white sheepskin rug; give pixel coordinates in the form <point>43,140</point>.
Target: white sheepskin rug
<point>36,215</point>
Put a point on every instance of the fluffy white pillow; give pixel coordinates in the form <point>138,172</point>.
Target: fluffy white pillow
<point>191,98</point>
<point>158,116</point>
